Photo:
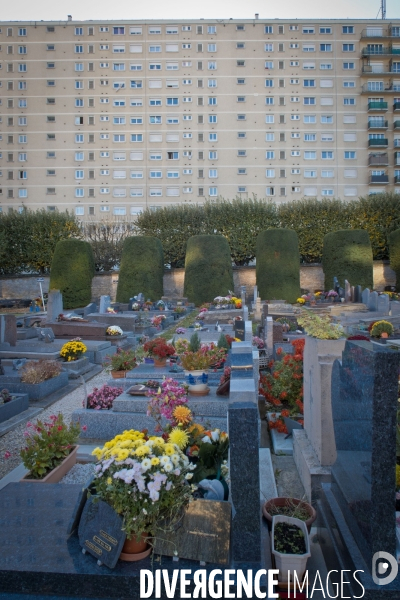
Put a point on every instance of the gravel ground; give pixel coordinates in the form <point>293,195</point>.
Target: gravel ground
<point>80,473</point>
<point>14,440</point>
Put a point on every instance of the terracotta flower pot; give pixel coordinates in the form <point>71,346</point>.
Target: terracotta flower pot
<point>118,374</point>
<point>384,334</point>
<point>134,550</point>
<point>160,362</point>
<point>283,502</point>
<point>58,473</point>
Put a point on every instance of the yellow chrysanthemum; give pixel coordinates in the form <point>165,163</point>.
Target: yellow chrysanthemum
<point>109,481</point>
<point>142,451</point>
<point>158,441</point>
<point>155,461</point>
<point>123,454</point>
<point>182,415</point>
<point>178,437</point>
<point>169,448</point>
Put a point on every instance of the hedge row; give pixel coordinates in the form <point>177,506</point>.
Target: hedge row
<point>240,222</point>
<point>28,239</point>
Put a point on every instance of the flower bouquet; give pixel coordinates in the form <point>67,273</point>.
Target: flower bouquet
<point>72,350</point>
<point>144,479</point>
<point>157,321</point>
<point>164,400</point>
<point>159,350</point>
<point>114,330</point>
<point>258,342</point>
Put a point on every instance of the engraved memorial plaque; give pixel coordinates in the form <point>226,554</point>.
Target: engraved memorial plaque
<point>100,532</point>
<point>203,534</point>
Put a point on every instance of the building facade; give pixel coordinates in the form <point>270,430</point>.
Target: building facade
<point>107,118</point>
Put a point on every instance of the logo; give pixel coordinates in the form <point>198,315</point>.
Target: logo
<point>381,561</point>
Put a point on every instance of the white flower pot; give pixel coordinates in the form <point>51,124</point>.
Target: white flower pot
<point>290,562</point>
<point>196,380</point>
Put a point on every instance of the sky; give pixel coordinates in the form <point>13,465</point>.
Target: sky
<point>27,10</point>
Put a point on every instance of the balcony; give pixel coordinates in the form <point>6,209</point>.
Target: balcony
<point>396,125</point>
<point>377,124</point>
<point>396,106</point>
<point>379,179</point>
<point>383,51</point>
<point>392,87</point>
<point>380,32</point>
<point>372,70</point>
<point>397,179</point>
<point>378,143</point>
<point>377,105</point>
<point>378,160</point>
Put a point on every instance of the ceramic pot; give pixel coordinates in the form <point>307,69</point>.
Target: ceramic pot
<point>283,502</point>
<point>58,473</point>
<point>118,374</point>
<point>160,362</point>
<point>287,563</point>
<point>134,550</point>
<point>196,380</point>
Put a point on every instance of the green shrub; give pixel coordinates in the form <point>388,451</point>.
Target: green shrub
<point>223,342</point>
<point>141,269</point>
<point>278,265</point>
<point>394,253</point>
<point>347,254</point>
<point>194,342</point>
<point>208,268</point>
<point>72,271</point>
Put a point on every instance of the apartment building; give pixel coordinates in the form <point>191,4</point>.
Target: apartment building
<point>106,118</point>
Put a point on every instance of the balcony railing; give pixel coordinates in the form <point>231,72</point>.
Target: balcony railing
<point>379,179</point>
<point>396,125</point>
<point>385,50</point>
<point>396,106</point>
<point>378,160</point>
<point>380,32</point>
<point>393,87</point>
<point>397,179</point>
<point>382,142</point>
<point>377,124</point>
<point>377,105</point>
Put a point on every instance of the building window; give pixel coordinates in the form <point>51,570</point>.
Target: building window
<point>348,47</point>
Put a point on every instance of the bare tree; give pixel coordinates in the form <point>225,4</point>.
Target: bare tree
<point>106,238</point>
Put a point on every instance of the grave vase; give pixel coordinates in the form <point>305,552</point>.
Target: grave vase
<point>118,374</point>
<point>160,362</point>
<point>134,550</point>
<point>197,381</point>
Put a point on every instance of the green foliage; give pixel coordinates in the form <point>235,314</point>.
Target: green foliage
<point>142,269</point>
<point>320,326</point>
<point>347,254</point>
<point>194,343</point>
<point>72,271</point>
<point>223,342</point>
<point>208,268</point>
<point>28,239</point>
<point>278,265</point>
<point>394,251</point>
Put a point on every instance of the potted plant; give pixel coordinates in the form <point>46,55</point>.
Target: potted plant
<point>159,350</point>
<point>73,350</point>
<point>382,329</point>
<point>290,546</point>
<point>50,449</point>
<point>196,365</point>
<point>103,398</point>
<point>119,363</point>
<point>289,507</point>
<point>145,481</point>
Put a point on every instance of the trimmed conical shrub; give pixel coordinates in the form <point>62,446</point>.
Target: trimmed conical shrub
<point>72,271</point>
<point>208,268</point>
<point>394,255</point>
<point>278,265</point>
<point>141,269</point>
<point>347,254</point>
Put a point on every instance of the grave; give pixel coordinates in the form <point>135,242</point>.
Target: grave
<point>17,405</point>
<point>105,303</point>
<point>357,507</point>
<point>8,331</point>
<point>54,305</point>
<point>124,320</point>
<point>11,380</point>
<point>373,301</point>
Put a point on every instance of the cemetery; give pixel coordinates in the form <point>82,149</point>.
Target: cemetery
<point>233,436</point>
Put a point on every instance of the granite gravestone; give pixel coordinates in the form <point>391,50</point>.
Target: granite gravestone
<point>277,332</point>
<point>383,304</point>
<point>54,305</point>
<point>255,296</point>
<point>105,303</point>
<point>347,291</point>
<point>8,330</point>
<point>239,330</point>
<point>364,411</point>
<point>264,311</point>
<point>100,532</point>
<point>365,296</point>
<point>357,293</point>
<point>203,534</point>
<point>395,308</point>
<point>46,334</point>
<point>373,302</point>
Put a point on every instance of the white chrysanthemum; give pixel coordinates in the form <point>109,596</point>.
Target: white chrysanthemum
<point>188,476</point>
<point>164,460</point>
<point>175,459</point>
<point>168,467</point>
<point>146,464</point>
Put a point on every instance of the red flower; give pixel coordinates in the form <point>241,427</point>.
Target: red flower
<point>60,428</point>
<point>84,428</point>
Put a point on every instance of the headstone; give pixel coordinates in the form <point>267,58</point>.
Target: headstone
<point>245,313</point>
<point>268,334</point>
<point>365,296</point>
<point>341,292</point>
<point>243,429</point>
<point>395,308</point>
<point>373,301</point>
<point>383,304</point>
<point>357,293</point>
<point>8,330</point>
<point>89,309</point>
<point>264,311</point>
<point>243,294</point>
<point>255,296</point>
<point>242,364</point>
<point>202,535</point>
<point>364,410</point>
<point>100,532</point>
<point>54,305</point>
<point>347,291</point>
<point>248,331</point>
<point>277,332</point>
<point>46,334</point>
<point>352,293</point>
<point>105,302</point>
<point>239,330</point>
<point>258,309</point>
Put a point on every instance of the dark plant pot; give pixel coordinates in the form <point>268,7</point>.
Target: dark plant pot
<point>283,502</point>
